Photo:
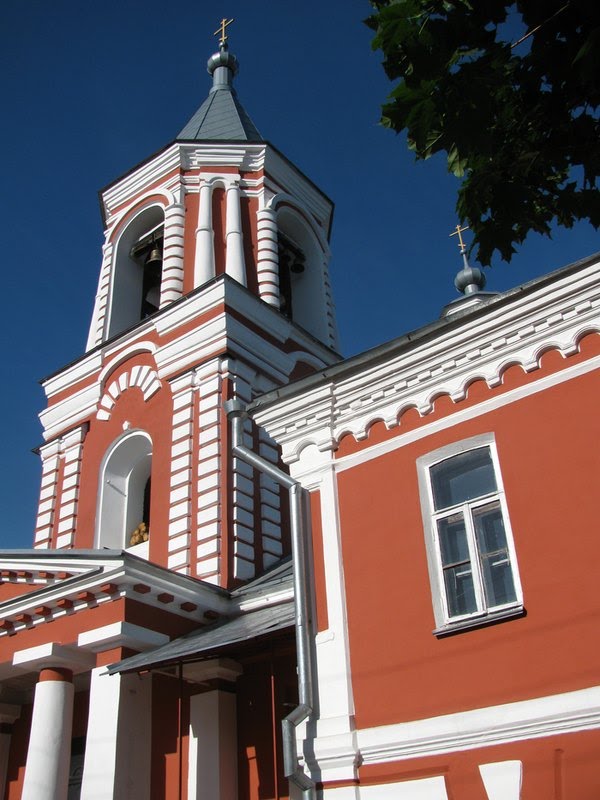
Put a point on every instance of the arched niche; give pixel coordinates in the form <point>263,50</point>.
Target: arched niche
<point>124,491</point>
<point>137,270</point>
<point>301,273</point>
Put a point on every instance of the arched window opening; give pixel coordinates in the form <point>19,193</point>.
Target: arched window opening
<point>137,271</point>
<point>124,502</point>
<point>291,263</point>
<point>301,274</point>
<point>148,253</point>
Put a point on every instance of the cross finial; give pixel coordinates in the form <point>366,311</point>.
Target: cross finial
<point>458,232</point>
<point>221,30</point>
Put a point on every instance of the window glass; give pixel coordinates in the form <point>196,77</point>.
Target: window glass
<point>462,477</point>
<point>493,553</point>
<point>456,564</point>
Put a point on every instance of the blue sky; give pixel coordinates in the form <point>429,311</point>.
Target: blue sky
<point>90,89</point>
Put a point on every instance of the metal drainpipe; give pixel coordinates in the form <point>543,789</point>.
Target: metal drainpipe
<point>236,412</point>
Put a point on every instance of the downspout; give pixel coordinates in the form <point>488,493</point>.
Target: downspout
<point>236,412</point>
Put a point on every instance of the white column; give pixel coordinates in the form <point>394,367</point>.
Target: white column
<point>204,263</point>
<point>235,265</point>
<point>171,285</point>
<point>8,714</point>
<point>268,257</point>
<point>49,753</point>
<point>119,738</point>
<point>213,747</point>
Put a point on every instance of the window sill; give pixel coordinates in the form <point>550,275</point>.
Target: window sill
<point>479,622</point>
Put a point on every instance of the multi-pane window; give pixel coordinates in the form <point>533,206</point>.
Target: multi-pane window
<point>471,547</point>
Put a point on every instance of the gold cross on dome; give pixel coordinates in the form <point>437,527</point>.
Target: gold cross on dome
<point>222,30</point>
<point>458,232</point>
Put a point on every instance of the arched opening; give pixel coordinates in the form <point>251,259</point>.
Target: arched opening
<point>301,280</point>
<point>137,270</point>
<point>124,501</point>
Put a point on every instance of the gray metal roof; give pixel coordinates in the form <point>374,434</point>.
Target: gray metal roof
<point>251,625</point>
<point>221,116</point>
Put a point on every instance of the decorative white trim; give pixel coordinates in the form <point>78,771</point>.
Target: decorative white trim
<point>569,712</point>
<point>140,377</point>
<point>479,347</point>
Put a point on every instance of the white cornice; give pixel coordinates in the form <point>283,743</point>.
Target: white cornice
<point>517,331</point>
<point>140,179</point>
<point>482,727</point>
<point>86,574</point>
<point>292,182</point>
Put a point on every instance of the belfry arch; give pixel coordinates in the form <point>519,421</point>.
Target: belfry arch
<point>302,261</point>
<point>137,270</point>
<point>124,490</point>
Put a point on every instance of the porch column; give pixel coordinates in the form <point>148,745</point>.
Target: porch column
<point>49,753</point>
<point>213,756</point>
<point>118,743</point>
<point>8,714</point>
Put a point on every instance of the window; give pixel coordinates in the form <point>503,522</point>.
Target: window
<point>470,550</point>
<point>124,492</point>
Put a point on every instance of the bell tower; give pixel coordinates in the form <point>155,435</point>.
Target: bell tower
<point>213,285</point>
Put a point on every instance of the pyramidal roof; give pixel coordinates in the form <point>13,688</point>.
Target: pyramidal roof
<point>221,116</point>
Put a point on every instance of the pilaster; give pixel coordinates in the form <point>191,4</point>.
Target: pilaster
<point>172,268</point>
<point>118,743</point>
<point>268,257</point>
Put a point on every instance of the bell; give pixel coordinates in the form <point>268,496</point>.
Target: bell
<point>154,257</point>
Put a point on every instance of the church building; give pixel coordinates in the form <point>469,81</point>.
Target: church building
<point>260,571</point>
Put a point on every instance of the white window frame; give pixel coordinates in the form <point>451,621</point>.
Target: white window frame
<point>444,622</point>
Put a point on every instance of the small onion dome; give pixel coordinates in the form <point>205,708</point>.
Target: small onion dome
<point>470,279</point>
<point>222,59</point>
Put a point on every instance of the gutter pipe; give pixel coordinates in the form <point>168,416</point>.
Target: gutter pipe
<point>236,411</point>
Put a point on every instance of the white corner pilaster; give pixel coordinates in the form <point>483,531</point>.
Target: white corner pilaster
<point>235,265</point>
<point>180,492</point>
<point>172,267</point>
<point>212,755</point>
<point>268,257</point>
<point>71,452</point>
<point>48,494</point>
<point>49,751</point>
<point>335,746</point>
<point>204,262</point>
<point>118,743</point>
<point>101,303</point>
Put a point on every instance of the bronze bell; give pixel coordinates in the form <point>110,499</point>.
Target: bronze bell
<point>154,257</point>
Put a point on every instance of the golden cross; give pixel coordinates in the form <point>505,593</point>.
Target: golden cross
<point>458,232</point>
<point>221,30</point>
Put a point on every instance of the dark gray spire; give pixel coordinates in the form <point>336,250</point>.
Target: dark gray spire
<point>221,115</point>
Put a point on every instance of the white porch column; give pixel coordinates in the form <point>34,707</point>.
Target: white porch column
<point>234,262</point>
<point>49,753</point>
<point>8,714</point>
<point>119,738</point>
<point>204,263</point>
<point>212,755</point>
